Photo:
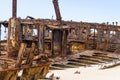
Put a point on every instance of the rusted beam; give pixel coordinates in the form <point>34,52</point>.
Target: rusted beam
<point>57,11</point>
<point>64,43</point>
<point>14,8</point>
<point>20,54</point>
<point>41,38</point>
<point>94,41</point>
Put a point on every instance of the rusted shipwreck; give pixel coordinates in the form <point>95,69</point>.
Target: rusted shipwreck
<point>31,42</point>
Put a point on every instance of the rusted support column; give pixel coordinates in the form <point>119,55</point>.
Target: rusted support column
<point>14,8</point>
<point>118,34</point>
<point>87,37</point>
<point>98,40</point>
<point>107,38</point>
<point>64,43</point>
<point>14,37</point>
<point>101,39</point>
<point>79,33</point>
<point>94,40</point>
<point>41,38</point>
<point>57,42</point>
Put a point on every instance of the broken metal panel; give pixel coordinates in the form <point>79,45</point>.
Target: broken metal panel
<point>57,42</point>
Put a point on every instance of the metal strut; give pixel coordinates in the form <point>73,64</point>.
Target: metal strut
<point>14,8</point>
<point>57,11</point>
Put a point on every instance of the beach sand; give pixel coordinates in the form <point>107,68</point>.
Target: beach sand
<point>87,73</point>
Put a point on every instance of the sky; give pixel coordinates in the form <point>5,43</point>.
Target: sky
<point>76,10</point>
<point>97,11</point>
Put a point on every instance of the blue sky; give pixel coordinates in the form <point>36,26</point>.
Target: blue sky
<point>77,10</point>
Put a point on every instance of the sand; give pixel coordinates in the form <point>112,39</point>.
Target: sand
<point>87,73</point>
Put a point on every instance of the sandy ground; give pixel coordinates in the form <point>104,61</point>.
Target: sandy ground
<point>87,73</point>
